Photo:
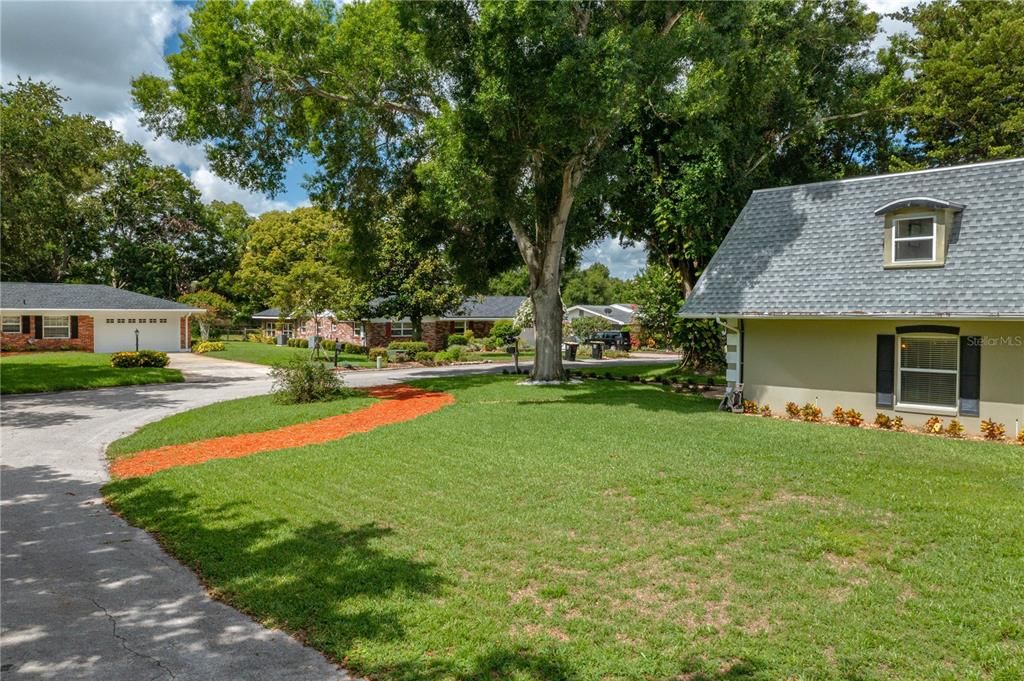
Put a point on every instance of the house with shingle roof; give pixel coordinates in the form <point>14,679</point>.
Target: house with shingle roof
<point>617,315</point>
<point>91,318</point>
<point>901,293</point>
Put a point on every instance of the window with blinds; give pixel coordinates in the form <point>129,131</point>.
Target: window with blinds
<point>928,370</point>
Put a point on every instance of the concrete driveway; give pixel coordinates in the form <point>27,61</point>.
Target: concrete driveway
<point>86,596</point>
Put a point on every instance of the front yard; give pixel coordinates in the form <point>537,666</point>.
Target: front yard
<point>261,353</point>
<point>614,531</point>
<point>34,372</point>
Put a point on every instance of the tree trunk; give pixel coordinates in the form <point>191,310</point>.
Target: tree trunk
<point>204,329</point>
<point>547,316</point>
<point>417,326</point>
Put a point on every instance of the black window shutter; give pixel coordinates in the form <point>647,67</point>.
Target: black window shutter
<point>39,327</point>
<point>885,368</point>
<point>74,326</point>
<point>970,375</point>
<point>26,324</point>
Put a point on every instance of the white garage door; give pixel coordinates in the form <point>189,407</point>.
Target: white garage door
<point>117,333</point>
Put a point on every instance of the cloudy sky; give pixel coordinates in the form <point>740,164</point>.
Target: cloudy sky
<point>92,49</point>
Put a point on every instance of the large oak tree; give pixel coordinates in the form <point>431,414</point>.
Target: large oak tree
<point>503,111</point>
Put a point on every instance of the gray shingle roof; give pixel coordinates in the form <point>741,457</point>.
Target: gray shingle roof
<point>816,250</point>
<point>269,313</point>
<point>488,307</point>
<point>614,311</point>
<point>15,295</point>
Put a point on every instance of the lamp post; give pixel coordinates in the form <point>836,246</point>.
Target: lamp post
<point>136,340</point>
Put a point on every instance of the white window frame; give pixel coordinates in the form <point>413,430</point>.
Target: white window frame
<point>926,408</point>
<point>359,330</point>
<point>7,321</point>
<point>896,240</point>
<point>405,327</point>
<point>48,323</point>
<point>456,328</point>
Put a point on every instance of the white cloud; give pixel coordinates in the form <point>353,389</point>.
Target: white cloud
<point>214,188</point>
<point>622,261</point>
<point>888,27</point>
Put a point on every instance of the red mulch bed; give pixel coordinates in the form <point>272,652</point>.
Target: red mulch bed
<point>397,404</point>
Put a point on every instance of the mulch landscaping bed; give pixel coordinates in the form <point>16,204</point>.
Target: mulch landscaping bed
<point>397,404</point>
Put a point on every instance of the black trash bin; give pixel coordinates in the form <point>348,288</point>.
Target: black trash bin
<point>570,351</point>
<point>597,350</point>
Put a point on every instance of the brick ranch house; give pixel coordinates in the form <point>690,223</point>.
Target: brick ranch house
<point>898,293</point>
<point>90,318</point>
<point>476,314</point>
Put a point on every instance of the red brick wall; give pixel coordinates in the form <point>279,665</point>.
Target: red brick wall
<point>23,341</point>
<point>183,334</point>
<point>330,329</point>
<point>435,333</point>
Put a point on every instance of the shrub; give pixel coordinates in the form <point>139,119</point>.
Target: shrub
<point>443,357</point>
<point>142,358</point>
<point>208,346</point>
<point>883,421</point>
<point>353,349</point>
<point>425,357</point>
<point>897,423</point>
<point>810,413</point>
<point>502,328</point>
<point>992,430</point>
<point>854,418</point>
<point>749,407</point>
<point>933,425</point>
<point>328,345</point>
<point>955,429</point>
<point>304,380</point>
<point>374,353</point>
<point>766,411</point>
<point>458,339</point>
<point>1020,437</point>
<point>792,410</point>
<point>839,415</point>
<point>411,347</point>
<point>490,344</point>
<point>457,353</point>
<point>124,360</point>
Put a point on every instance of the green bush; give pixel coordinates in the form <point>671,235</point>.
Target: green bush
<point>443,357</point>
<point>142,358</point>
<point>303,380</point>
<point>457,353</point>
<point>374,353</point>
<point>328,345</point>
<point>457,339</point>
<point>502,328</point>
<point>353,349</point>
<point>426,357</point>
<point>208,346</point>
<point>410,347</point>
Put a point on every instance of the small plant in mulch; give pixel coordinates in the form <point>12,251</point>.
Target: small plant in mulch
<point>792,410</point>
<point>854,418</point>
<point>304,380</point>
<point>750,407</point>
<point>766,411</point>
<point>1020,437</point>
<point>883,421</point>
<point>810,413</point>
<point>839,415</point>
<point>933,425</point>
<point>992,430</point>
<point>897,423</point>
<point>955,429</point>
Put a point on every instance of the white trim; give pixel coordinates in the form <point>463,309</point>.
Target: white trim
<point>895,239</point>
<point>66,325</point>
<point>78,311</point>
<point>597,314</point>
<point>887,175</point>
<point>927,408</point>
<point>5,317</point>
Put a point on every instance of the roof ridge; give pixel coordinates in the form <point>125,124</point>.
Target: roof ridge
<point>863,178</point>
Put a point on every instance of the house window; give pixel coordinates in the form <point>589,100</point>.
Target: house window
<point>401,330</point>
<point>120,321</point>
<point>152,321</point>
<point>928,367</point>
<point>163,321</point>
<point>56,327</point>
<point>460,327</point>
<point>359,331</point>
<point>110,321</point>
<point>142,321</point>
<point>11,324</point>
<point>913,240</point>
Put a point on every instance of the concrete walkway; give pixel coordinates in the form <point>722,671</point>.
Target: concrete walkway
<point>86,596</point>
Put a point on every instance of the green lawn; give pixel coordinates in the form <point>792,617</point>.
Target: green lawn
<point>246,415</point>
<point>35,372</point>
<point>647,371</point>
<point>260,353</point>
<point>614,531</point>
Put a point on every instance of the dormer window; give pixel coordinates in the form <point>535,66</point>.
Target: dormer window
<point>913,239</point>
<point>917,231</point>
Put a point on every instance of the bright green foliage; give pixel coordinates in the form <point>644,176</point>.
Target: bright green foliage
<point>52,371</point>
<point>965,94</point>
<point>52,162</point>
<point>219,310</point>
<point>503,328</point>
<point>508,544</point>
<point>233,417</point>
<point>584,327</point>
<point>592,286</point>
<point>140,358</point>
<point>512,282</point>
<point>301,380</point>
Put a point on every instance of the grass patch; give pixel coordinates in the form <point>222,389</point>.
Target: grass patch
<point>261,353</point>
<point>649,371</point>
<point>614,531</point>
<point>245,415</point>
<point>36,372</point>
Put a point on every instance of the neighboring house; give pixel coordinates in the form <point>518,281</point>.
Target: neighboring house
<point>616,314</point>
<point>476,314</point>
<point>90,317</point>
<point>898,293</point>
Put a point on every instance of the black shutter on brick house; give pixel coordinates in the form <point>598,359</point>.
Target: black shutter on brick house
<point>39,327</point>
<point>26,324</point>
<point>970,375</point>
<point>74,326</point>
<point>885,371</point>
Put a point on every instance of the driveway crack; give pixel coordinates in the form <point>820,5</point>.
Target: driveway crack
<point>124,642</point>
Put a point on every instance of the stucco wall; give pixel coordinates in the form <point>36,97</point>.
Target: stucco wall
<point>832,362</point>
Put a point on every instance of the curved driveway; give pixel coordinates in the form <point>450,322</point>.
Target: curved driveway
<point>85,595</point>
